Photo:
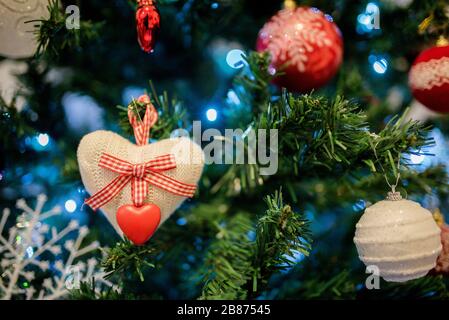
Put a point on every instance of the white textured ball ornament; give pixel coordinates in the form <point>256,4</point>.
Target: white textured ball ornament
<point>17,39</point>
<point>400,237</point>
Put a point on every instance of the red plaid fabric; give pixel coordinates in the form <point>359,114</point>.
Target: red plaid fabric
<point>142,127</point>
<point>141,175</point>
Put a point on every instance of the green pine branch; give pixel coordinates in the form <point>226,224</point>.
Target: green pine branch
<point>255,83</point>
<point>172,114</point>
<point>53,37</point>
<point>170,242</point>
<point>323,138</point>
<point>227,264</point>
<point>281,235</point>
<point>320,137</point>
<point>128,259</point>
<point>339,286</point>
<point>237,267</point>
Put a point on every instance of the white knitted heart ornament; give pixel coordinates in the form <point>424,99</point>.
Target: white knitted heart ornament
<point>188,155</point>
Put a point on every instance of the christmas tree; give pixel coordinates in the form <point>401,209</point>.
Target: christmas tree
<point>307,114</point>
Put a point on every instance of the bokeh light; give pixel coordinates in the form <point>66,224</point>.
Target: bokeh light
<point>211,114</point>
<point>70,205</point>
<point>43,139</point>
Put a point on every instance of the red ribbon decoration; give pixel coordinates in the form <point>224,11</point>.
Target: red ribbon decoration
<point>140,175</point>
<point>141,127</point>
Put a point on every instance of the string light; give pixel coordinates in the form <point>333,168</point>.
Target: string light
<point>43,139</point>
<point>211,114</point>
<point>417,158</point>
<point>181,221</point>
<point>231,98</point>
<point>380,66</point>
<point>378,63</point>
<point>70,205</point>
<point>359,205</point>
<point>329,18</point>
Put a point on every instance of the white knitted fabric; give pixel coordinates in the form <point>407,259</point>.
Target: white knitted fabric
<point>189,165</point>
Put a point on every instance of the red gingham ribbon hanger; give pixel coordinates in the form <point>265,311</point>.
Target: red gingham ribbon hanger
<point>142,127</point>
<point>140,175</point>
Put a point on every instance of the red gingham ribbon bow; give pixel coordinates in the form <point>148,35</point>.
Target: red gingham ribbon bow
<point>140,175</point>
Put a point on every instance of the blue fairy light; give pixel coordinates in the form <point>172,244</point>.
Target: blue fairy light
<point>70,205</point>
<point>38,142</point>
<point>417,158</point>
<point>214,5</point>
<point>43,139</point>
<point>436,154</point>
<point>329,17</point>
<point>359,205</point>
<point>211,114</point>
<point>380,66</point>
<point>232,97</point>
<point>181,221</point>
<point>251,235</point>
<point>379,63</point>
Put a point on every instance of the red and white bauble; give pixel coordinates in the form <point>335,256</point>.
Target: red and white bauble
<point>429,78</point>
<point>305,45</point>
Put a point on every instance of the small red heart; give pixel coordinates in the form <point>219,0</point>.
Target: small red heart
<point>138,223</point>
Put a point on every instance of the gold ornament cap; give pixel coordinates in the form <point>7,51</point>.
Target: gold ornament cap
<point>289,4</point>
<point>442,41</point>
<point>394,196</point>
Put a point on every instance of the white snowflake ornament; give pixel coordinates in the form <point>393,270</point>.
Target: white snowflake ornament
<point>22,250</point>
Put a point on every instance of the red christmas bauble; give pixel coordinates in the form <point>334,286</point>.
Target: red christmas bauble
<point>138,223</point>
<point>305,45</point>
<point>429,78</point>
<point>148,23</point>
